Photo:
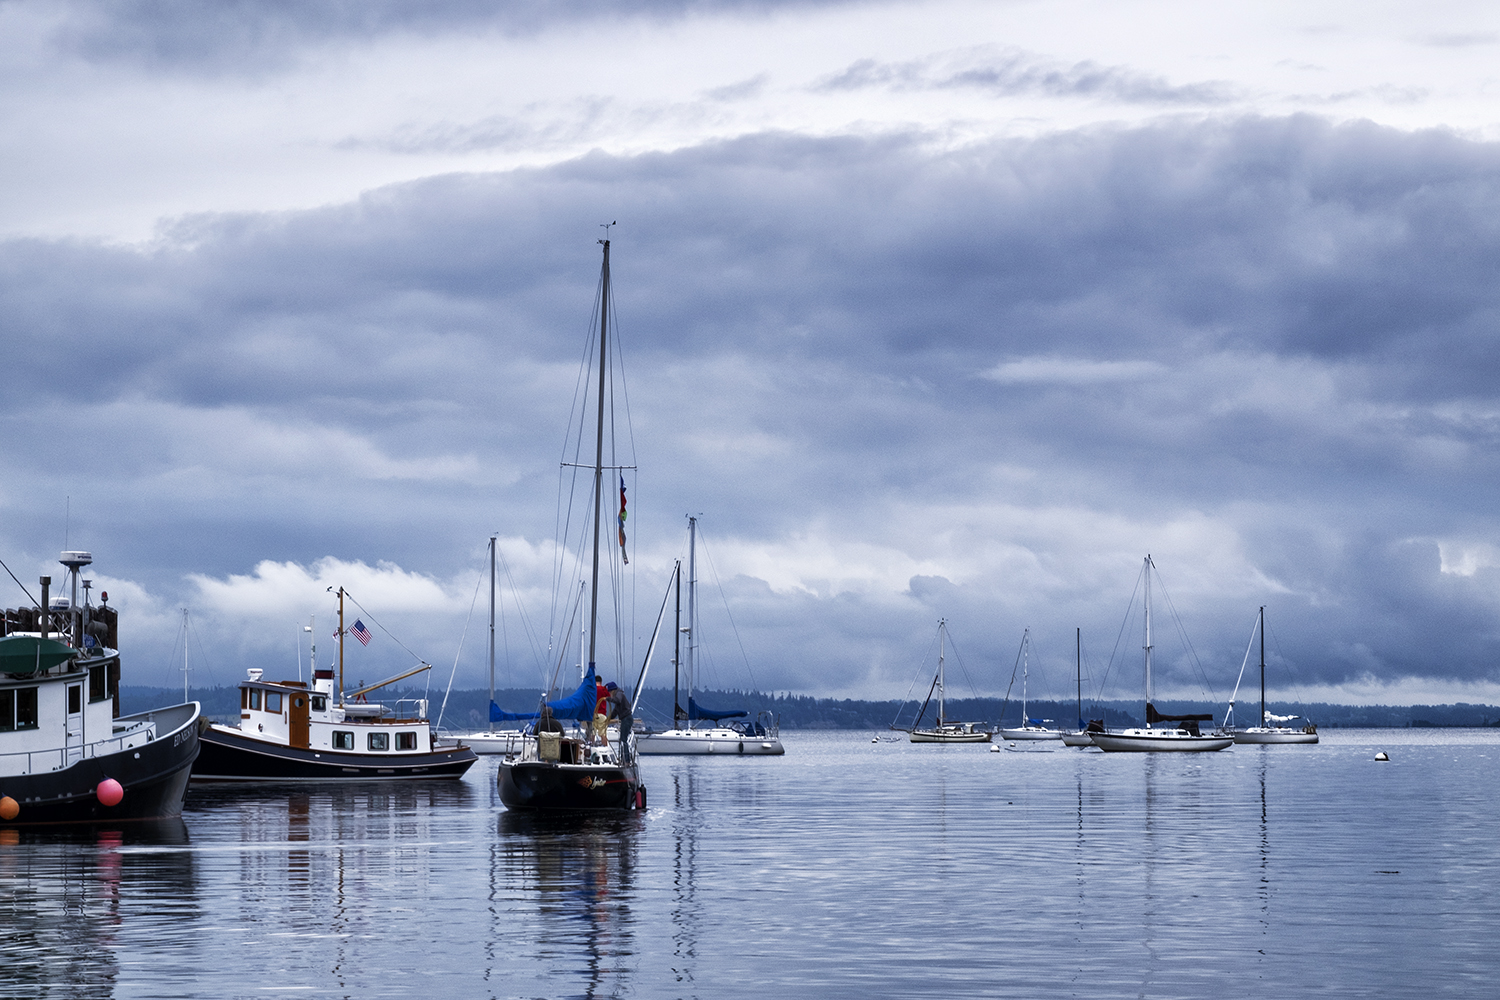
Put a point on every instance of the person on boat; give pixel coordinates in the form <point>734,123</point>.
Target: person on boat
<point>618,707</point>
<point>601,712</point>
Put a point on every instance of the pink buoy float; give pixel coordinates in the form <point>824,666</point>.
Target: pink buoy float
<point>109,791</point>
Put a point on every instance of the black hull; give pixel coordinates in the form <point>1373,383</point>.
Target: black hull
<point>231,756</point>
<point>534,784</point>
<point>154,777</point>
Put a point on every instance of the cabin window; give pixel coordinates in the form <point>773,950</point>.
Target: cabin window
<point>406,741</point>
<point>75,699</point>
<point>343,740</point>
<point>380,741</point>
<point>319,703</point>
<point>98,688</point>
<point>255,698</point>
<point>26,708</point>
<point>7,711</point>
<point>273,702</point>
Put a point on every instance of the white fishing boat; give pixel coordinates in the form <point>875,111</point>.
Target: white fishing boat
<point>1184,737</point>
<point>578,767</point>
<point>1270,730</point>
<point>687,736</point>
<point>946,730</point>
<point>1030,729</point>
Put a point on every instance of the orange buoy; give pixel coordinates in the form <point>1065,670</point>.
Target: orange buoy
<point>9,808</point>
<point>109,791</point>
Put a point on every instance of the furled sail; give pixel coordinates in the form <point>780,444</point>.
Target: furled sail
<point>579,705</point>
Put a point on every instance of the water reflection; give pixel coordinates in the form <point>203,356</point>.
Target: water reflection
<point>576,874</point>
<point>65,896</point>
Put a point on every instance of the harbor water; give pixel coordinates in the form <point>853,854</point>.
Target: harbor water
<point>847,868</point>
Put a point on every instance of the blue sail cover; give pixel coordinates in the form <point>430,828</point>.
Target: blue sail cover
<point>578,706</point>
<point>696,711</point>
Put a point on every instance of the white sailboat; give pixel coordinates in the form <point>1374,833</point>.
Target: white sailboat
<point>945,731</point>
<point>1266,732</point>
<point>493,739</point>
<point>1080,737</point>
<point>1180,738</point>
<point>687,737</point>
<point>1030,729</point>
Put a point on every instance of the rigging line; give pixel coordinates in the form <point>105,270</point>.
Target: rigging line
<point>1121,636</point>
<point>962,669</point>
<point>921,672</point>
<point>454,672</point>
<point>1182,634</point>
<point>1005,705</point>
<point>382,628</point>
<point>724,598</point>
<point>33,600</point>
<point>537,655</point>
<point>203,653</point>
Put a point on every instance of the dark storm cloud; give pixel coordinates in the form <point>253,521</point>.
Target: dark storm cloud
<point>238,35</point>
<point>1007,72</point>
<point>972,383</point>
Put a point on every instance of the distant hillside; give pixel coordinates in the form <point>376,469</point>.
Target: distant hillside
<point>468,709</point>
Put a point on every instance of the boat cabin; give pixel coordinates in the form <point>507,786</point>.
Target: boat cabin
<point>291,714</point>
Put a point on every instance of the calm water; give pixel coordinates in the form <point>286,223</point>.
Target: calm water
<point>845,869</point>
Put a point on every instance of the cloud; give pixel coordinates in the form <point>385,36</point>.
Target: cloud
<point>899,381</point>
<point>1008,72</point>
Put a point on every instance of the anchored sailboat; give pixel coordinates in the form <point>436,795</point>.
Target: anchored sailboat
<point>572,767</point>
<point>1184,737</point>
<point>946,731</point>
<point>1030,729</point>
<point>1266,732</point>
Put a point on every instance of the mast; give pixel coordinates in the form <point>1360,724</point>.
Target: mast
<point>692,625</point>
<point>1078,671</point>
<point>677,652</point>
<point>599,449</point>
<point>185,663</point>
<point>1025,672</point>
<point>942,645</point>
<point>492,618</point>
<point>1148,641</point>
<point>1263,666</point>
<point>341,647</point>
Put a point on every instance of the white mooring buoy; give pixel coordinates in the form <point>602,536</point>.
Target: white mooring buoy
<point>1381,756</point>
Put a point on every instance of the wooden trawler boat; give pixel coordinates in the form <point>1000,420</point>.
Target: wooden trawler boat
<point>288,732</point>
<point>579,768</point>
<point>1180,738</point>
<point>946,730</point>
<point>762,737</point>
<point>66,753</point>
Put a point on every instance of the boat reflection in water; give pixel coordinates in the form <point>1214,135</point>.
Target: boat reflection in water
<point>571,883</point>
<point>67,897</point>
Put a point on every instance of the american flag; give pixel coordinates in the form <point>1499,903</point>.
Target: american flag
<point>359,631</point>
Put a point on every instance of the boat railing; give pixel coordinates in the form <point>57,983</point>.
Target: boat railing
<point>56,758</point>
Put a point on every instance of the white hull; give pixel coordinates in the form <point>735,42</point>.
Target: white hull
<point>1257,735</point>
<point>730,742</point>
<point>948,735</point>
<point>504,741</point>
<point>1030,733</point>
<point>1159,741</point>
<point>1078,739</point>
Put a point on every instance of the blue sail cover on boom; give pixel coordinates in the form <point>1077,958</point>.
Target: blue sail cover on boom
<point>578,706</point>
<point>696,711</point>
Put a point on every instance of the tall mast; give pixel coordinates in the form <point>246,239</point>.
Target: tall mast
<point>1148,642</point>
<point>692,625</point>
<point>185,663</point>
<point>677,651</point>
<point>341,646</point>
<point>492,618</point>
<point>599,449</point>
<point>942,648</point>
<point>1263,666</point>
<point>1025,672</point>
<point>1078,670</point>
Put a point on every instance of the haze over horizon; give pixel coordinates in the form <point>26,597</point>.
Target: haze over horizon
<point>928,310</point>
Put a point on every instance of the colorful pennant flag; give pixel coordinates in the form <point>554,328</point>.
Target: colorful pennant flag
<point>623,554</point>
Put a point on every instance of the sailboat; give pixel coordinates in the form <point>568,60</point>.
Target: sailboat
<point>1265,732</point>
<point>492,740</point>
<point>573,768</point>
<point>945,731</point>
<point>1082,736</point>
<point>1030,729</point>
<point>758,738</point>
<point>1184,737</point>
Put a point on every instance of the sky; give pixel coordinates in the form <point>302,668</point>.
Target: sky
<point>927,310</point>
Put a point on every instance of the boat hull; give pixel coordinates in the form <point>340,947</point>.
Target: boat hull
<point>932,736</point>
<point>1143,741</point>
<point>1030,733</point>
<point>535,784</point>
<point>499,743</point>
<point>230,756</point>
<point>726,742</point>
<point>154,777</point>
<point>1079,739</point>
<point>1264,736</point>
